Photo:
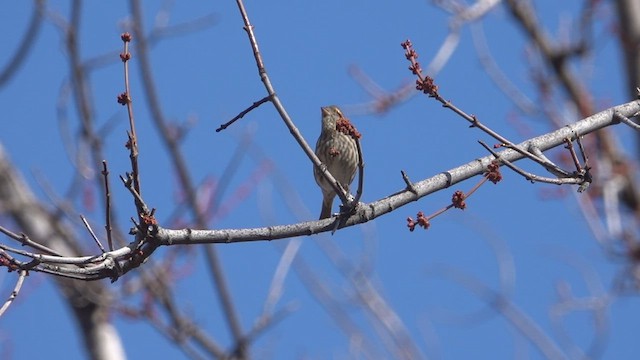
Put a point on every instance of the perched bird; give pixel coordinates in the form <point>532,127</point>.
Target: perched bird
<point>338,153</point>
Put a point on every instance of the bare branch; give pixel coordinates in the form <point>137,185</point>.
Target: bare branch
<point>264,77</point>
<point>423,188</point>
<point>14,293</point>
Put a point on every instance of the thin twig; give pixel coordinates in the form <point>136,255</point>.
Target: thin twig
<point>107,192</point>
<point>532,177</point>
<point>573,154</point>
<point>93,235</point>
<point>125,99</point>
<point>407,181</point>
<point>585,157</point>
<point>244,112</point>
<point>536,155</point>
<point>25,240</point>
<point>545,162</point>
<point>15,292</point>
<point>625,120</point>
<point>128,182</point>
<point>427,85</point>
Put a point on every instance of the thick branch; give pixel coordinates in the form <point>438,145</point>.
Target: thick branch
<point>423,188</point>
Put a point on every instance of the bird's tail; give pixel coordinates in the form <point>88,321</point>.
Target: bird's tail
<point>327,203</point>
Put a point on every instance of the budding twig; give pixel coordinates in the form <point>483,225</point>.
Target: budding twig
<point>125,100</point>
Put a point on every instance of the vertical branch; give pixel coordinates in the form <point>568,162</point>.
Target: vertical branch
<point>107,226</point>
<point>184,177</point>
<point>125,99</point>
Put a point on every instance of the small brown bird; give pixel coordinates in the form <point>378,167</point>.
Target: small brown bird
<point>338,152</point>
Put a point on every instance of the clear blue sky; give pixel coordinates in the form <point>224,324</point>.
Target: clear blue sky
<point>308,48</point>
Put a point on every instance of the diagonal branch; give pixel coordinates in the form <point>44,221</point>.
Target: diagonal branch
<point>423,188</point>
<point>264,77</point>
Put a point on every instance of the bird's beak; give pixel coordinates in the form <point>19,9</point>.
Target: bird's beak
<point>325,110</point>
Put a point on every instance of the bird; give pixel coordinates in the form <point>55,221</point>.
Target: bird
<point>338,152</point>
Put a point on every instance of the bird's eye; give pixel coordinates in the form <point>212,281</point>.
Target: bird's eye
<point>338,112</point>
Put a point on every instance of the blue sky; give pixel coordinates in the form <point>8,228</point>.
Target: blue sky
<point>209,76</point>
